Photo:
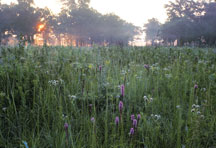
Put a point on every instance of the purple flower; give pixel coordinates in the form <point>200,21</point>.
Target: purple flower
<point>66,129</point>
<point>132,117</point>
<point>138,117</point>
<point>195,86</point>
<point>120,106</point>
<point>131,131</point>
<point>66,126</point>
<point>135,123</point>
<point>146,66</point>
<point>122,90</point>
<point>92,119</point>
<point>100,68</point>
<point>117,120</point>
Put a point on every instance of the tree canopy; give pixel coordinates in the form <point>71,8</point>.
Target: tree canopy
<point>77,21</point>
<point>189,22</point>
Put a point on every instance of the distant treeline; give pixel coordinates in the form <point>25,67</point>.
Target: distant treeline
<point>77,21</point>
<point>189,22</point>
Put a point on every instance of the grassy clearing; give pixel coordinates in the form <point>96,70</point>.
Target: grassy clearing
<point>66,97</point>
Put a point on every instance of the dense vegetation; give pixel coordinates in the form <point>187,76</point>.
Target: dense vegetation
<point>189,22</point>
<point>71,97</point>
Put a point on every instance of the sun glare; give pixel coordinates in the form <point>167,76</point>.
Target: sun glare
<point>41,27</point>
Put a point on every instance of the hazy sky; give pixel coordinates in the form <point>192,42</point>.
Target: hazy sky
<point>133,11</point>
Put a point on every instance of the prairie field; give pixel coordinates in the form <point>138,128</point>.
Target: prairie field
<point>111,97</point>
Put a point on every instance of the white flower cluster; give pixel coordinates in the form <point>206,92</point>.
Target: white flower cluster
<point>146,99</point>
<point>56,82</point>
<point>157,117</point>
<point>72,97</point>
<point>53,82</point>
<point>196,109</point>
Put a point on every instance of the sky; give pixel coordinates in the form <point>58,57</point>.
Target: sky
<point>133,11</point>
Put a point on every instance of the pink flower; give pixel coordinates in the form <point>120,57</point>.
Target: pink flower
<point>138,117</point>
<point>92,119</point>
<point>135,123</point>
<point>120,106</point>
<point>122,90</point>
<point>132,117</point>
<point>100,67</point>
<point>117,120</point>
<point>131,131</point>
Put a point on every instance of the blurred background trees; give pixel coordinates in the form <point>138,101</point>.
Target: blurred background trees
<point>77,24</point>
<point>189,23</point>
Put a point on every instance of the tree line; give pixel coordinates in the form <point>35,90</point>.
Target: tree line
<point>189,22</point>
<point>76,22</point>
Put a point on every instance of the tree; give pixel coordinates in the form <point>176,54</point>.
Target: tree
<point>152,30</point>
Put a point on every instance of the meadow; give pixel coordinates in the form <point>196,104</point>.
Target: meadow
<point>110,97</point>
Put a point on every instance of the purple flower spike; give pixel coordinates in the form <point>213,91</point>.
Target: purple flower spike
<point>120,106</point>
<point>117,120</point>
<point>92,119</point>
<point>132,117</point>
<point>138,117</point>
<point>131,131</point>
<point>195,86</point>
<point>122,90</point>
<point>66,126</point>
<point>100,68</point>
<point>135,123</point>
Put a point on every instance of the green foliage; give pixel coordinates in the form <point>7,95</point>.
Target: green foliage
<point>42,88</point>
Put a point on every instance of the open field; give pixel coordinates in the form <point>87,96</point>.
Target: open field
<point>56,97</point>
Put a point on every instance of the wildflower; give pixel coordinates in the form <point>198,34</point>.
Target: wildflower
<point>192,110</point>
<point>146,66</point>
<point>66,126</point>
<point>25,143</point>
<point>194,106</point>
<point>135,123</point>
<point>90,66</point>
<point>195,86</point>
<point>100,68</point>
<point>120,106</point>
<point>66,131</point>
<point>132,117</point>
<point>198,112</point>
<point>151,99</point>
<point>122,90</point>
<point>157,117</point>
<point>117,120</point>
<point>92,119</point>
<point>138,117</point>
<point>131,131</point>
<point>145,98</point>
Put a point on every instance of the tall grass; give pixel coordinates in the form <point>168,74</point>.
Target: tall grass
<point>42,89</point>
